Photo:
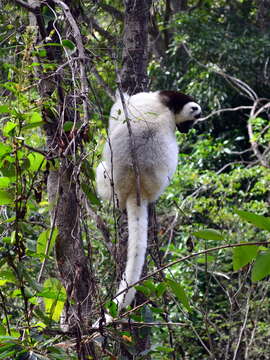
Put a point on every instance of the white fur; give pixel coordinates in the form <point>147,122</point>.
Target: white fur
<point>153,131</point>
<point>190,110</point>
<point>137,226</point>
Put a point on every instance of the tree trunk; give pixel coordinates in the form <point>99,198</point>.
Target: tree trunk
<point>135,52</point>
<point>71,260</point>
<point>134,79</point>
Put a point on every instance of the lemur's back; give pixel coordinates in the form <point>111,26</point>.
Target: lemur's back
<point>154,144</point>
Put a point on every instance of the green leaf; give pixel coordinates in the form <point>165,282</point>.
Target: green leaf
<point>5,149</point>
<point>42,53</point>
<point>160,289</point>
<point>7,275</point>
<point>4,182</point>
<point>68,125</point>
<point>68,44</point>
<point>261,222</point>
<point>5,198</point>
<point>90,194</point>
<point>243,255</point>
<point>34,125</point>
<point>150,285</point>
<point>35,117</point>
<point>111,306</point>
<point>54,305</point>
<point>42,240</point>
<point>7,129</point>
<point>145,290</point>
<point>209,234</point>
<point>261,268</point>
<point>179,292</point>
<point>165,349</point>
<point>4,109</point>
<point>36,160</point>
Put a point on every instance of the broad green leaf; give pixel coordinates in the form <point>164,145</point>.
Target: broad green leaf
<point>68,125</point>
<point>8,168</point>
<point>243,255</point>
<point>7,275</point>
<point>6,198</point>
<point>36,161</point>
<point>261,268</point>
<point>150,285</point>
<point>3,282</point>
<point>7,129</point>
<point>160,289</point>
<point>68,44</point>
<point>42,240</point>
<point>90,194</point>
<point>261,222</point>
<point>48,16</point>
<point>35,117</point>
<point>179,292</point>
<point>42,53</point>
<point>4,109</point>
<point>145,290</point>
<point>4,182</point>
<point>209,234</point>
<point>111,306</point>
<point>5,149</point>
<point>54,306</point>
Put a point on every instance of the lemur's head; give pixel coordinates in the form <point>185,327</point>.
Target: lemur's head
<point>185,109</point>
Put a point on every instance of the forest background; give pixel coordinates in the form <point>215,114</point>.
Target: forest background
<point>62,250</point>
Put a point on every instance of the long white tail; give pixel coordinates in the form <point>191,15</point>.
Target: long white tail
<point>137,244</point>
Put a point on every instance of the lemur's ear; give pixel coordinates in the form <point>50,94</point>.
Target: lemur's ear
<point>174,100</point>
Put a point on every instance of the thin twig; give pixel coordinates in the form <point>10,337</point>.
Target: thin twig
<point>242,329</point>
<point>132,146</point>
<point>218,112</point>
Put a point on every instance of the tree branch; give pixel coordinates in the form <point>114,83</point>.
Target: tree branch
<point>112,11</point>
<point>190,256</point>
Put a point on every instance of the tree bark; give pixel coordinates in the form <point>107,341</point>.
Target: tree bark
<point>263,14</point>
<point>135,51</point>
<point>71,260</point>
<point>134,79</point>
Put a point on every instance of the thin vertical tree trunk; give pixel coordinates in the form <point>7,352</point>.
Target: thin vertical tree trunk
<point>135,52</point>
<point>134,79</point>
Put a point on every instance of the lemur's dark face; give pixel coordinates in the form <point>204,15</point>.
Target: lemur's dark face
<point>184,107</point>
